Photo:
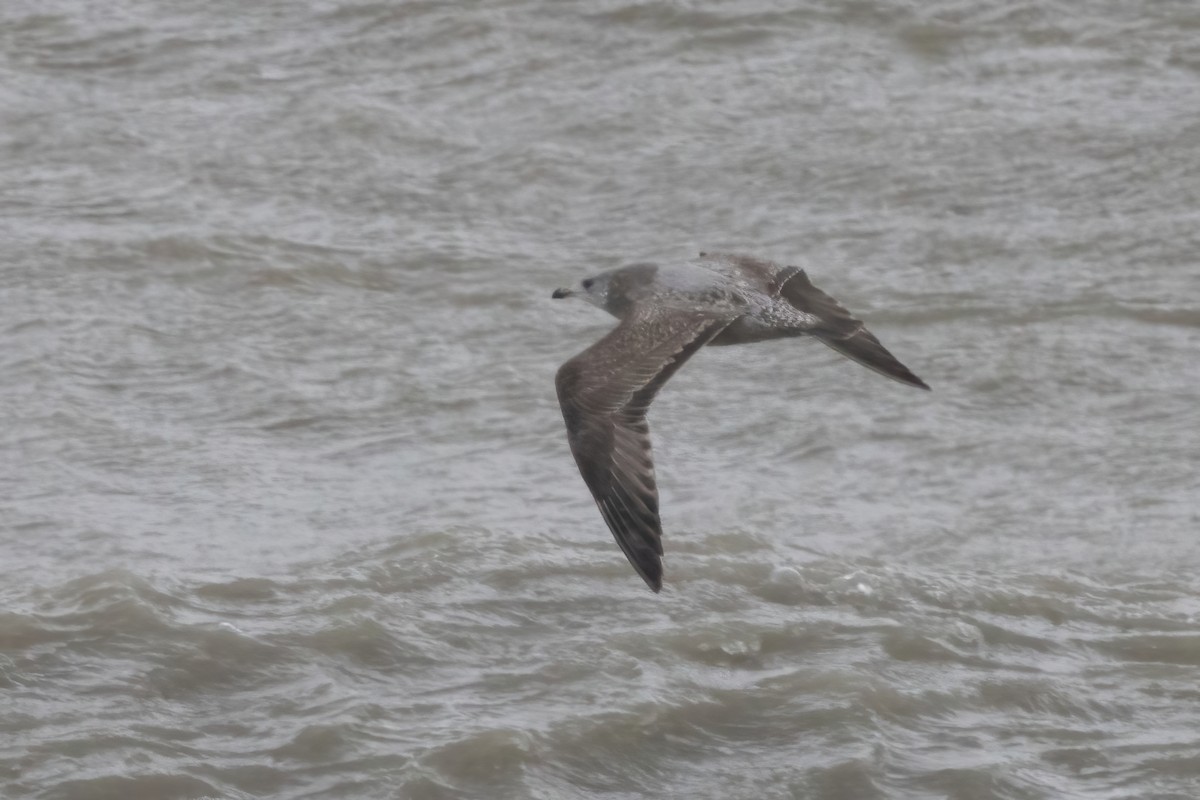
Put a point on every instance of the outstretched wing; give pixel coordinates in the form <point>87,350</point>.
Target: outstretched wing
<point>841,330</point>
<point>604,393</point>
<point>838,328</point>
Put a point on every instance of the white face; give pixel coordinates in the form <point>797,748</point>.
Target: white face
<point>594,290</point>
<point>603,291</point>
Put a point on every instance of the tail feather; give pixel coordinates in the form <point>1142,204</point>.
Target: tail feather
<point>842,331</point>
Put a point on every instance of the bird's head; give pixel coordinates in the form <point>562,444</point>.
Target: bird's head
<point>616,291</point>
<point>594,290</point>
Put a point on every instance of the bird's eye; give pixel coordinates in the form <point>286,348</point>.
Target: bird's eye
<point>587,284</point>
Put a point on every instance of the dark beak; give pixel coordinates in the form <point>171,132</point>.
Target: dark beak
<point>561,293</point>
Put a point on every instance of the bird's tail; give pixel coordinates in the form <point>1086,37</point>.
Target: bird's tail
<point>843,332</point>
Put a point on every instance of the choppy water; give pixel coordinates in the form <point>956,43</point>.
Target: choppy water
<point>287,509</point>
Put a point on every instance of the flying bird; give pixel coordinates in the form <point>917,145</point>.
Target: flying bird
<point>666,314</point>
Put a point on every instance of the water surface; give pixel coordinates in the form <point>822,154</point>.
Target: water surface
<point>287,509</point>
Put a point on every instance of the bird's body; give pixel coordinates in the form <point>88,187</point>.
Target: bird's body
<point>667,313</point>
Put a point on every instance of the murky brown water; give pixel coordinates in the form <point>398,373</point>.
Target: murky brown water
<point>286,507</point>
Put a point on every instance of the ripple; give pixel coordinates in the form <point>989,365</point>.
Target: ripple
<point>121,787</point>
<point>487,758</point>
<point>1183,648</point>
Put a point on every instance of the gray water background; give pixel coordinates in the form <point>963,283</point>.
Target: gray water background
<point>286,508</point>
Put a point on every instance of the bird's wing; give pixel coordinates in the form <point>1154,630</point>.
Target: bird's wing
<point>840,330</point>
<point>604,393</point>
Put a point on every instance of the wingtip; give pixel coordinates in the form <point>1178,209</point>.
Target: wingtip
<point>908,379</point>
<point>652,574</point>
<point>650,571</point>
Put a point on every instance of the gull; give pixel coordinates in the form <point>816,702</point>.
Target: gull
<point>666,314</point>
